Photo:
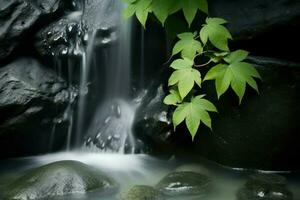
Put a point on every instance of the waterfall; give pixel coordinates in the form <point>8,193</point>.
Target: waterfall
<point>109,130</point>
<point>99,63</point>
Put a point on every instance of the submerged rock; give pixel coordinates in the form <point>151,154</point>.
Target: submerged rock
<point>58,179</point>
<point>266,179</point>
<point>143,192</point>
<point>31,97</point>
<point>17,17</point>
<point>269,193</point>
<point>185,183</point>
<point>193,167</point>
<point>265,187</point>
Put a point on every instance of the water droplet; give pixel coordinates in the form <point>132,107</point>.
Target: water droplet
<point>107,120</point>
<point>86,37</point>
<point>98,135</point>
<point>118,111</point>
<point>117,136</point>
<point>64,51</point>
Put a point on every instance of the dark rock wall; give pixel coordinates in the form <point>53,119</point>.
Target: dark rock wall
<point>248,19</point>
<point>33,97</point>
<point>264,27</point>
<point>19,17</point>
<point>263,132</point>
<point>41,47</point>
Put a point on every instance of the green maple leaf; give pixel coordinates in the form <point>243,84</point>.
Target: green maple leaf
<point>216,33</point>
<point>234,73</point>
<point>185,76</point>
<point>173,98</point>
<point>190,8</point>
<point>141,8</point>
<point>182,63</point>
<point>236,56</point>
<point>163,8</point>
<point>188,46</point>
<point>194,113</point>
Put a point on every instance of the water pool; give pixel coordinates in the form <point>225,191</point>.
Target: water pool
<point>130,170</point>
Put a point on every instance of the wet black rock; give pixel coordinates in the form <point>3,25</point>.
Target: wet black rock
<point>101,14</point>
<point>102,18</point>
<point>185,183</point>
<point>152,123</point>
<point>111,129</point>
<point>31,97</point>
<point>143,192</point>
<point>265,187</point>
<point>194,167</point>
<point>257,25</point>
<point>105,37</point>
<point>17,17</point>
<point>263,179</point>
<point>262,132</point>
<point>248,19</point>
<point>59,179</point>
<point>65,37</point>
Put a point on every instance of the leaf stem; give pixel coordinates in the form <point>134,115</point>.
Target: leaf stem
<point>203,52</point>
<point>168,60</point>
<point>203,65</point>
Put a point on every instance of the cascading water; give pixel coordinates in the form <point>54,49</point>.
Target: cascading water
<point>110,129</point>
<point>99,63</point>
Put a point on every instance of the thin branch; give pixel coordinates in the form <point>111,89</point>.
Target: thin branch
<point>168,60</point>
<point>203,65</point>
<point>203,52</point>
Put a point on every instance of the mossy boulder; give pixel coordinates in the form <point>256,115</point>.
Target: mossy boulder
<point>265,187</point>
<point>59,179</point>
<point>194,167</point>
<point>185,183</point>
<point>143,192</point>
<point>266,179</point>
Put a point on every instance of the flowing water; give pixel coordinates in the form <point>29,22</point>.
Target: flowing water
<point>108,121</point>
<point>129,170</point>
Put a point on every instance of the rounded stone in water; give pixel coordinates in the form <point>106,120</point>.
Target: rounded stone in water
<point>58,179</point>
<point>184,183</point>
<point>265,187</point>
<point>266,193</point>
<point>143,192</point>
<point>273,179</point>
